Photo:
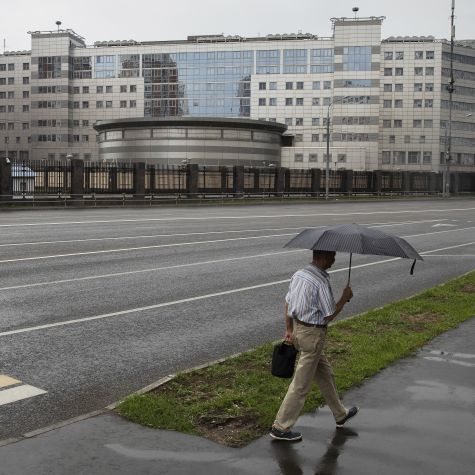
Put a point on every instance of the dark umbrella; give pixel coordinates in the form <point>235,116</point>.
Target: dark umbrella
<point>354,238</point>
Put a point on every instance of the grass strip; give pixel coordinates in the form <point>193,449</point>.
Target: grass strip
<point>235,402</point>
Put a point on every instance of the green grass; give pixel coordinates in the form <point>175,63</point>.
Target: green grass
<point>235,401</point>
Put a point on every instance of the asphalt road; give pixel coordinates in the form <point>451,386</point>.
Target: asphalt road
<point>95,304</point>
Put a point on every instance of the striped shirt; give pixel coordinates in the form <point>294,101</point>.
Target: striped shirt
<point>310,297</point>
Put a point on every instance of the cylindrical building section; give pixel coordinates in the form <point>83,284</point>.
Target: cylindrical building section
<point>204,141</point>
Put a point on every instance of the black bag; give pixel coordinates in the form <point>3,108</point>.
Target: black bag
<point>283,360</point>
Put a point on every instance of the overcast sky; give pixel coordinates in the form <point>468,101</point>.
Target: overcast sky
<point>146,20</point>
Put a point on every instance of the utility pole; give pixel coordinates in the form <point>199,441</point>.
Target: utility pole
<point>450,89</point>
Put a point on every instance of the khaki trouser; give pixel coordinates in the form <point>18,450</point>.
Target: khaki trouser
<point>312,366</point>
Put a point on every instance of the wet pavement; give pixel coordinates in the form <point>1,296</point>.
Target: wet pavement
<point>417,417</point>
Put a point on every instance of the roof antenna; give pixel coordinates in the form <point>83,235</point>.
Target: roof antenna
<point>355,11</point>
<point>58,23</point>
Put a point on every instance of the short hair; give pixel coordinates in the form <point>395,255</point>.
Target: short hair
<point>317,253</point>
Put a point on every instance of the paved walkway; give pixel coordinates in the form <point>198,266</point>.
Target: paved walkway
<point>417,417</point>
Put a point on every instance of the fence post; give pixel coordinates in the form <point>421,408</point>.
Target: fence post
<point>432,182</point>
<point>223,171</point>
<point>455,185</point>
<point>192,180</point>
<point>77,179</point>
<point>279,184</point>
<point>139,180</point>
<point>406,181</point>
<point>347,180</point>
<point>6,181</point>
<point>377,181</point>
<point>113,179</point>
<point>238,180</point>
<point>316,181</point>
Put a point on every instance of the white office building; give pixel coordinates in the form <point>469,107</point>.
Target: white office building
<point>386,98</point>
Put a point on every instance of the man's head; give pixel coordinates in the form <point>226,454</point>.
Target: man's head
<point>324,259</point>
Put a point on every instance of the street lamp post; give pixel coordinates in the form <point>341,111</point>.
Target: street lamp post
<point>327,169</point>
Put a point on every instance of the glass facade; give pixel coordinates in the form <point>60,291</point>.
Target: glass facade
<point>268,62</point>
<point>80,67</point>
<point>321,60</point>
<point>357,58</point>
<point>295,61</point>
<point>106,66</point>
<point>49,67</point>
<point>213,83</point>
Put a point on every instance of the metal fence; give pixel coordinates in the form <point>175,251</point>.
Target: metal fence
<point>108,178</point>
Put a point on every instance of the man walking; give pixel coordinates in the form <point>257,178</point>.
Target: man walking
<point>309,307</point>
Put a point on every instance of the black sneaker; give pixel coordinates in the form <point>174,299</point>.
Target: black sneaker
<point>351,413</point>
<point>285,435</point>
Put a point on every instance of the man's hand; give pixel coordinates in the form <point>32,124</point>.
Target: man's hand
<point>289,336</point>
<point>347,294</point>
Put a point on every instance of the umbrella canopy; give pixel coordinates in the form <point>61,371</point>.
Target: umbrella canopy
<point>354,238</point>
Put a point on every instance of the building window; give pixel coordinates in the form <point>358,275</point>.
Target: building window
<point>407,139</point>
<point>387,103</point>
<point>124,88</point>
<point>418,87</point>
<point>387,123</point>
<point>26,94</point>
<point>123,104</point>
<point>26,80</point>
<point>316,85</point>
<point>99,104</point>
<point>388,55</point>
<point>108,104</point>
<point>427,158</point>
<point>418,54</point>
<point>428,103</point>
<point>99,89</point>
<point>399,54</point>
<point>386,157</point>
<point>417,103</point>
<point>26,66</point>
<point>11,81</point>
<point>272,101</point>
<point>422,139</point>
<point>299,121</point>
<point>133,88</point>
<point>341,158</point>
<point>26,108</point>
<point>299,137</point>
<point>388,71</point>
<point>85,138</point>
<point>429,86</point>
<point>399,71</point>
<point>417,124</point>
<point>327,84</point>
<point>398,103</point>
<point>85,123</point>
<point>399,158</point>
<point>299,101</point>
<point>413,158</point>
<point>315,121</point>
<point>133,104</point>
<point>85,104</point>
<point>85,89</point>
<point>398,123</point>
<point>11,94</point>
<point>289,101</point>
<point>25,126</point>
<point>272,86</point>
<point>76,138</point>
<point>262,86</point>
<point>299,85</point>
<point>298,157</point>
<point>11,67</point>
<point>313,157</point>
<point>76,90</point>
<point>428,123</point>
<point>388,88</point>
<point>315,101</point>
<point>315,137</point>
<point>109,89</point>
<point>429,71</point>
<point>429,55</point>
<point>289,85</point>
<point>398,87</point>
<point>418,71</point>
<point>262,101</point>
<point>75,123</point>
<point>76,104</point>
<point>327,101</point>
<point>289,121</point>
<point>392,139</point>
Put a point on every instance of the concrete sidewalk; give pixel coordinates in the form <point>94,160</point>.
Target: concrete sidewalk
<point>417,417</point>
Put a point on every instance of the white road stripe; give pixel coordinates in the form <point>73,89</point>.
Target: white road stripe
<point>148,236</point>
<point>445,255</point>
<point>449,247</point>
<point>276,216</point>
<point>446,360</point>
<point>153,269</point>
<point>18,393</point>
<point>190,243</point>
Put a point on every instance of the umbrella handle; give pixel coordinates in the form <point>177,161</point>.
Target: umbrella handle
<point>349,270</point>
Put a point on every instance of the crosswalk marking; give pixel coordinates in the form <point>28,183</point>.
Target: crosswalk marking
<point>18,392</point>
<point>7,381</point>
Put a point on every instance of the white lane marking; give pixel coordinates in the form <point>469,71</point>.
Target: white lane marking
<point>448,255</point>
<point>276,216</point>
<point>443,224</point>
<point>455,355</point>
<point>447,360</point>
<point>147,236</point>
<point>190,243</point>
<point>449,247</point>
<point>175,302</point>
<point>18,393</point>
<point>153,269</point>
